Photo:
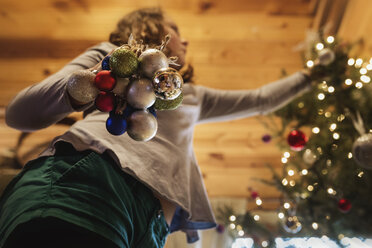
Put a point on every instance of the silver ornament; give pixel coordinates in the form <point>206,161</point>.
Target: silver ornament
<point>141,94</point>
<point>152,60</point>
<point>326,56</point>
<point>362,151</point>
<point>309,157</point>
<point>81,86</point>
<point>167,84</point>
<point>292,225</point>
<point>142,125</point>
<point>121,85</point>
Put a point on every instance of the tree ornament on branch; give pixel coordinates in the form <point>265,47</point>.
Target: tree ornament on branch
<point>297,140</point>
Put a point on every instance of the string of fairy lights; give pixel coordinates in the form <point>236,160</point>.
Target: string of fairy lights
<point>287,211</point>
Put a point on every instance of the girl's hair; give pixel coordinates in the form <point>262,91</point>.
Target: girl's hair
<point>146,24</point>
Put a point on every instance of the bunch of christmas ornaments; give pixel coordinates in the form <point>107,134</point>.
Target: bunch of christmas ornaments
<point>135,81</point>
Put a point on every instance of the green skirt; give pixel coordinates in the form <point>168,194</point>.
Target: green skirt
<point>88,190</point>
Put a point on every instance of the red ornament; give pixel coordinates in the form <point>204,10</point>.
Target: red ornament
<point>220,228</point>
<point>254,194</point>
<point>105,101</point>
<point>297,140</point>
<point>344,205</point>
<point>104,80</point>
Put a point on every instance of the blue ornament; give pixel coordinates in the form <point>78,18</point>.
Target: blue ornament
<point>128,111</point>
<point>116,124</point>
<point>106,63</point>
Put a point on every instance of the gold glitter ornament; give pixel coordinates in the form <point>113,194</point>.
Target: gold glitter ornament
<point>167,83</point>
<point>81,86</point>
<point>142,125</point>
<point>161,104</point>
<point>123,62</point>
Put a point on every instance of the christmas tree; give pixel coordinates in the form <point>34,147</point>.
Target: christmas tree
<point>326,139</point>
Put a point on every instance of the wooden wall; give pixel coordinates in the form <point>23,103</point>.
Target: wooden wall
<point>235,44</point>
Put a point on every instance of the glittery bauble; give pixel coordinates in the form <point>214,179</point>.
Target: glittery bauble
<point>167,83</point>
<point>344,205</point>
<point>326,56</point>
<point>121,86</point>
<point>152,60</point>
<point>123,62</point>
<point>81,87</point>
<point>105,80</point>
<point>116,124</point>
<point>105,101</point>
<point>140,94</point>
<point>309,157</point>
<point>297,140</point>
<point>142,125</point>
<point>168,104</point>
<point>292,225</point>
<point>266,138</point>
<point>220,228</point>
<point>106,63</point>
<point>362,151</point>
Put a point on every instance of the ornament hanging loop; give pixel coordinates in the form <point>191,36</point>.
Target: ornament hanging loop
<point>357,121</point>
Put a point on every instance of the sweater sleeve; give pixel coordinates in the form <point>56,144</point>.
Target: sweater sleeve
<point>225,105</point>
<point>45,103</point>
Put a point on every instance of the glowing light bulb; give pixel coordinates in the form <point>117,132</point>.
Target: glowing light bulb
<point>315,130</point>
<point>304,172</point>
<point>256,217</point>
<point>232,218</point>
<point>332,127</point>
<point>284,160</point>
<point>360,174</point>
<point>291,172</point>
<point>310,188</point>
<point>358,62</point>
<point>292,183</point>
<point>348,82</point>
<point>321,96</point>
<point>315,225</point>
<point>330,39</point>
<point>241,233</point>
<point>365,79</point>
<point>287,205</point>
<point>330,191</point>
<point>369,67</point>
<point>310,63</point>
<point>363,71</point>
<point>280,215</point>
<point>331,89</point>
<point>351,61</point>
<point>319,46</point>
<point>232,226</point>
<point>359,85</point>
<point>336,136</point>
<point>349,155</point>
<point>286,154</point>
<point>258,201</point>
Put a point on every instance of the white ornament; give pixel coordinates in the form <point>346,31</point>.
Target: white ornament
<point>326,56</point>
<point>81,86</point>
<point>362,151</point>
<point>309,157</point>
<point>152,60</point>
<point>141,94</point>
<point>142,125</point>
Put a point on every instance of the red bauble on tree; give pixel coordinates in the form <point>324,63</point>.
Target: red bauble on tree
<point>254,194</point>
<point>296,140</point>
<point>105,81</point>
<point>344,205</point>
<point>105,101</point>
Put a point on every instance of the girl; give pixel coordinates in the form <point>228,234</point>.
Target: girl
<point>93,189</point>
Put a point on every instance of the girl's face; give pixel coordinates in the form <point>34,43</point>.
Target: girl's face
<point>177,46</point>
